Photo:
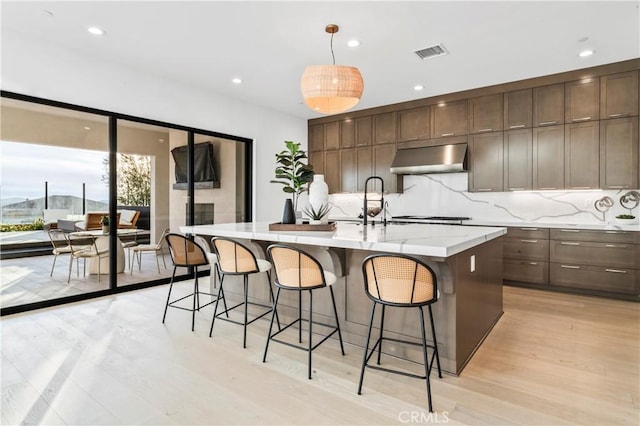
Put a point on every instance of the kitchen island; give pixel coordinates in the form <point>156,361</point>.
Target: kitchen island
<point>467,261</point>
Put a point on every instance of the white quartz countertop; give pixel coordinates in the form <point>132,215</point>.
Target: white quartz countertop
<point>413,239</point>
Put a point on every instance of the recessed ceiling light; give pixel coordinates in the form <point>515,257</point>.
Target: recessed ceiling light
<point>236,80</point>
<point>586,53</point>
<point>96,31</point>
<point>353,43</point>
<point>87,128</point>
<point>418,87</point>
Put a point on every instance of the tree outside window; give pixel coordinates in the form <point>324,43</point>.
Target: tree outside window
<point>134,179</point>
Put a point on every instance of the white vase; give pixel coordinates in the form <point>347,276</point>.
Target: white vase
<point>319,194</point>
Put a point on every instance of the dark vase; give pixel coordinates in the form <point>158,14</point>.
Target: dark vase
<point>288,214</point>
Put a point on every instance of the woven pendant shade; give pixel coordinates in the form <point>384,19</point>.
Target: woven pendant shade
<point>331,89</point>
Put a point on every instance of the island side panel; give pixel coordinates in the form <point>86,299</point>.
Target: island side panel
<point>478,296</point>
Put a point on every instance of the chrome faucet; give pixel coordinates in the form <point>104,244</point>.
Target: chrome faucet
<point>365,210</point>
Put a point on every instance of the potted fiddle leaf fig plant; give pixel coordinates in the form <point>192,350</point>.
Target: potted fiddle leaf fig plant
<point>294,175</point>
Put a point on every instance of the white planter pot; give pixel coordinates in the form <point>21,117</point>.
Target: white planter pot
<point>626,221</point>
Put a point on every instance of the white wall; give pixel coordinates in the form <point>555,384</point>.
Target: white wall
<point>47,71</point>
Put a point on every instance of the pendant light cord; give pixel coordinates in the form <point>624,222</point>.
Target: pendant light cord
<point>332,55</point>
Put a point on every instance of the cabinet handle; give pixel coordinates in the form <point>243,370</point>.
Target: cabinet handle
<point>484,189</point>
<point>529,241</point>
<point>516,189</point>
<point>618,114</point>
<point>564,243</point>
<point>448,134</point>
<point>581,119</point>
<point>546,123</point>
<point>517,126</point>
<point>615,232</point>
<point>616,271</point>
<point>485,130</point>
<point>533,263</point>
<point>528,229</point>
<point>569,267</point>
<point>569,230</point>
<point>616,246</point>
<point>617,186</point>
<point>580,187</point>
<point>543,189</point>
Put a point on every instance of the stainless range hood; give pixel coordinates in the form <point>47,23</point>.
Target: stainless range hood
<point>430,159</point>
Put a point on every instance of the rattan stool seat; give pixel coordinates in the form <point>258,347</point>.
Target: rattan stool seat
<point>400,281</point>
<point>296,270</point>
<point>234,258</point>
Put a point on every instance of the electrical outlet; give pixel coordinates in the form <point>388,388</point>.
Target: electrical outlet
<point>472,263</point>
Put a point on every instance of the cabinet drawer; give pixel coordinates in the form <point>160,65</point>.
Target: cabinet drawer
<point>616,280</point>
<point>525,271</point>
<point>526,249</point>
<point>569,234</point>
<point>590,253</point>
<point>528,232</point>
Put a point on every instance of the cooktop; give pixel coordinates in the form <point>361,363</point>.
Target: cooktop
<point>431,217</point>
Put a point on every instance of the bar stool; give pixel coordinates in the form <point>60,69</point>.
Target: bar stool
<point>404,282</point>
<point>187,254</point>
<point>233,258</point>
<point>298,271</point>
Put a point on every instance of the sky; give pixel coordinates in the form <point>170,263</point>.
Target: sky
<point>24,168</point>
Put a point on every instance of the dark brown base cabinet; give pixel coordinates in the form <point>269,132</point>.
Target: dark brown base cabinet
<point>605,263</point>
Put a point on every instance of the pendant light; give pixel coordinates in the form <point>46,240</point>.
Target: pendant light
<point>331,89</point>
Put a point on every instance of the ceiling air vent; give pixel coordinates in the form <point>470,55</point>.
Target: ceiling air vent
<point>431,52</point>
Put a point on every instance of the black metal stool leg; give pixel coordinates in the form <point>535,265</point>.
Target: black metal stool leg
<point>271,298</point>
<point>366,348</point>
<point>435,342</point>
<point>168,295</point>
<point>215,309</point>
<point>246,308</point>
<point>427,368</point>
<point>275,303</point>
<point>195,298</point>
<point>310,327</point>
<point>335,312</point>
<point>300,316</point>
<point>381,331</point>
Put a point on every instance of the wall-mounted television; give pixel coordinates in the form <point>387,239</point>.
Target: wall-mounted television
<point>205,175</point>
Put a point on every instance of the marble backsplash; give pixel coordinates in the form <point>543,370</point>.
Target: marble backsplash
<point>446,195</point>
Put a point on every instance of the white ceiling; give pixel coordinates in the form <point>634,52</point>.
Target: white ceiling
<point>268,44</point>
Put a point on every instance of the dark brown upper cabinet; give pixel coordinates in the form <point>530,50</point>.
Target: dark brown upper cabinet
<point>332,170</point>
<point>363,131</point>
<point>619,95</point>
<point>449,119</point>
<point>413,124</point>
<point>619,153</point>
<point>518,161</point>
<point>518,109</point>
<point>332,135</point>
<point>582,100</point>
<point>348,170</point>
<point>384,128</point>
<point>582,155</point>
<point>316,160</point>
<point>347,133</point>
<point>316,137</point>
<point>548,105</point>
<point>486,113</point>
<point>548,157</point>
<point>486,166</point>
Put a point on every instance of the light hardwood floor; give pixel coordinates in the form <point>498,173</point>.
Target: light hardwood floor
<point>551,359</point>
